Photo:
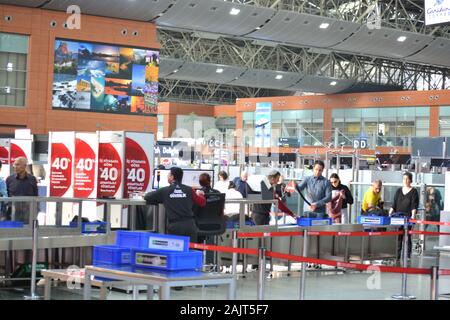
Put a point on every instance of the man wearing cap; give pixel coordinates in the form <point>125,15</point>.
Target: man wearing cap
<point>178,200</point>
<point>261,212</point>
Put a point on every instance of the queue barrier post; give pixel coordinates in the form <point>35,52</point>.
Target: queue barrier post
<point>403,295</point>
<point>35,226</point>
<point>434,284</point>
<point>261,269</point>
<point>303,275</point>
<point>235,255</point>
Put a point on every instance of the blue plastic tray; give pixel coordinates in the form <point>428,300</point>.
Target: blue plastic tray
<point>132,239</point>
<point>90,227</point>
<point>11,224</point>
<point>154,241</point>
<point>374,220</point>
<point>308,222</point>
<point>235,224</point>
<point>166,260</point>
<point>111,255</point>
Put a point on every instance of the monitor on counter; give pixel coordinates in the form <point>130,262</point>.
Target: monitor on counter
<point>190,177</point>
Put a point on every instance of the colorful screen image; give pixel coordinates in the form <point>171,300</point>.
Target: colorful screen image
<point>105,78</point>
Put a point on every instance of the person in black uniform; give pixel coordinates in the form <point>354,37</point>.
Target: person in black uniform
<point>406,201</point>
<point>178,200</point>
<point>261,212</point>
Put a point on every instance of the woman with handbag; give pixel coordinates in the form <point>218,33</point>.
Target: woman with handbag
<point>340,198</point>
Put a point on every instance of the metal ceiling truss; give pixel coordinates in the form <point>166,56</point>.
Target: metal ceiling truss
<point>208,93</point>
<point>407,15</point>
<point>245,53</point>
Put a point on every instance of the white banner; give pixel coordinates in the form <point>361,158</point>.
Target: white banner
<point>437,11</point>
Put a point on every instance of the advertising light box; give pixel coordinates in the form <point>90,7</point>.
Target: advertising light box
<point>105,78</point>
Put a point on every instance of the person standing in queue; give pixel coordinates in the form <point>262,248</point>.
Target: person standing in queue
<point>261,212</point>
<point>178,200</point>
<point>372,203</point>
<point>340,198</point>
<point>318,190</point>
<point>242,185</point>
<point>406,202</point>
<point>21,184</point>
<point>3,194</point>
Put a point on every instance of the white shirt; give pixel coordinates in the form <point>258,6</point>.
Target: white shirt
<point>222,186</point>
<point>232,208</point>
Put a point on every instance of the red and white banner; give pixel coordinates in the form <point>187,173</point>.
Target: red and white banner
<point>61,152</point>
<point>139,149</point>
<point>4,157</point>
<point>20,148</point>
<point>110,165</point>
<point>85,177</point>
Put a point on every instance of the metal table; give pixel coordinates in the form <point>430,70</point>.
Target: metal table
<point>163,279</point>
<point>76,276</point>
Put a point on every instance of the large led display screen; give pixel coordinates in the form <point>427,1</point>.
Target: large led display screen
<point>105,78</point>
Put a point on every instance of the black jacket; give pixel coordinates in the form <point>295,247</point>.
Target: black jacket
<point>177,200</point>
<point>348,195</point>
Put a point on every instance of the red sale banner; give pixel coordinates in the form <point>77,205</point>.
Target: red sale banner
<point>137,168</point>
<point>60,170</point>
<point>4,155</point>
<point>85,169</point>
<point>20,148</point>
<point>109,170</point>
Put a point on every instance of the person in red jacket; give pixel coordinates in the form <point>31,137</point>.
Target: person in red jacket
<point>178,200</point>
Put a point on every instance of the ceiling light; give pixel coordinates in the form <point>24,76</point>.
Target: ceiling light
<point>234,11</point>
<point>257,28</point>
<point>279,76</point>
<point>324,25</point>
<point>9,66</point>
<point>401,38</point>
<point>175,71</point>
<point>219,70</point>
<point>333,83</point>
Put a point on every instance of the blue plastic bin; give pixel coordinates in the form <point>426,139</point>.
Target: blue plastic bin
<point>132,239</point>
<point>154,241</point>
<point>235,224</point>
<point>374,220</point>
<point>111,255</point>
<point>308,222</point>
<point>11,224</point>
<point>90,227</point>
<point>167,242</point>
<point>166,260</point>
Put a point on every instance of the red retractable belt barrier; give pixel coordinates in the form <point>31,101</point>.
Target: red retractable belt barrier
<point>430,233</point>
<point>430,222</point>
<point>349,265</point>
<point>316,233</point>
<point>268,234</point>
<point>353,234</point>
<point>222,249</point>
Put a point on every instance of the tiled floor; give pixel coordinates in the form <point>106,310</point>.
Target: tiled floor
<point>326,285</point>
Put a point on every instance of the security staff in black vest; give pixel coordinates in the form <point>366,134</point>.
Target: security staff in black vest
<point>178,200</point>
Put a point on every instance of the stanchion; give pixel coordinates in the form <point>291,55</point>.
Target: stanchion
<point>303,276</point>
<point>33,295</point>
<point>262,269</point>
<point>434,287</point>
<point>235,255</point>
<point>403,295</point>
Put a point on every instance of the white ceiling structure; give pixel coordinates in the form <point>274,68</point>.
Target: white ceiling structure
<point>267,25</point>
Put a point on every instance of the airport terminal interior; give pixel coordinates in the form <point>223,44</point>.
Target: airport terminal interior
<point>224,150</point>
